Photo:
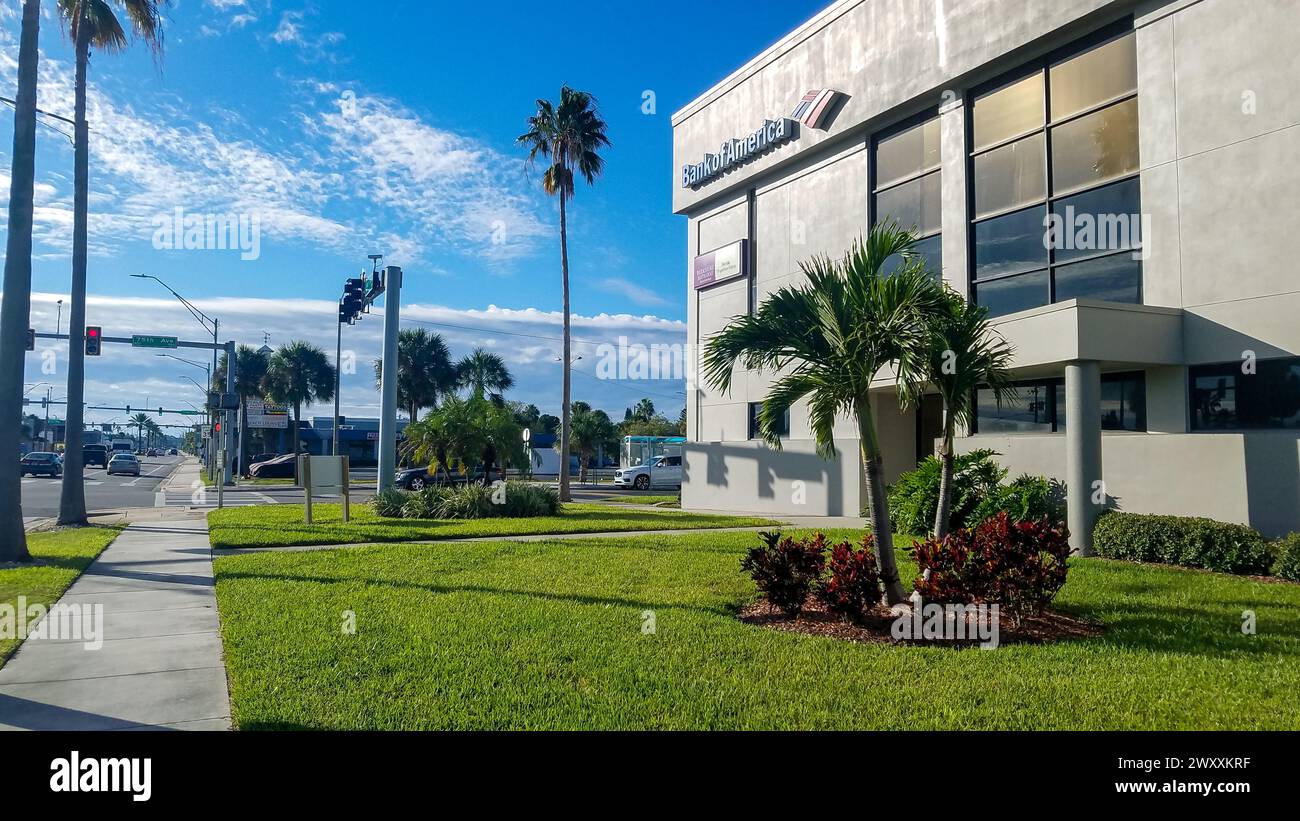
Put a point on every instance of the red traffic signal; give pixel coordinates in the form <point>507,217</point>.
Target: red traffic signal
<point>94,336</point>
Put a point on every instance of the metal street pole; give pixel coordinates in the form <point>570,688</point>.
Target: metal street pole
<point>338,359</point>
<point>229,415</point>
<point>388,379</point>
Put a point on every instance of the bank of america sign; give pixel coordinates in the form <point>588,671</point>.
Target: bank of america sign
<point>811,111</point>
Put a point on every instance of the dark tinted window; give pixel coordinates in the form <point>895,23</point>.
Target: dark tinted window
<point>1226,398</point>
<point>1010,243</point>
<point>1116,278</point>
<point>1018,293</point>
<point>782,430</point>
<point>1040,406</point>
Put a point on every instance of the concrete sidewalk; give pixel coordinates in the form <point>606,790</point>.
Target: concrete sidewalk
<point>160,664</point>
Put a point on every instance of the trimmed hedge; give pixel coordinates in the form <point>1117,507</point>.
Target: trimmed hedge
<point>1288,558</point>
<point>1182,540</point>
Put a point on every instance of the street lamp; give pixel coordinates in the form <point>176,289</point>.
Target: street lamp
<point>205,321</point>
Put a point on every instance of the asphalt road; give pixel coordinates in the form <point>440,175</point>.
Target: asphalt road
<point>103,492</point>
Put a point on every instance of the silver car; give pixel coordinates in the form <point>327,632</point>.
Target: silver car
<point>124,463</point>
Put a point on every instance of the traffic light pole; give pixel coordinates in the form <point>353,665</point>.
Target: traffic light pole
<point>388,379</point>
<point>338,358</point>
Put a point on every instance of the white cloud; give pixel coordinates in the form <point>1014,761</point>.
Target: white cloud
<point>637,293</point>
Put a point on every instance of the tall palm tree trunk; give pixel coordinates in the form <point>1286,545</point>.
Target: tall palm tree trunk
<point>877,511</point>
<point>943,511</point>
<point>72,500</point>
<point>15,309</point>
<point>565,416</point>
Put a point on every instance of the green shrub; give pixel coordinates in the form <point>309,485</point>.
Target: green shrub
<point>914,498</point>
<point>1288,557</point>
<point>1182,540</point>
<point>388,503</point>
<point>1025,499</point>
<point>476,501</point>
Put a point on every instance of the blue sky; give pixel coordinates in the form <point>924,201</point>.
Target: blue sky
<point>353,128</point>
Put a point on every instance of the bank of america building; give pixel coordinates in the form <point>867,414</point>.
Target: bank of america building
<point>1117,181</point>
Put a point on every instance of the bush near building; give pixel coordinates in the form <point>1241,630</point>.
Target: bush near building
<point>978,494</point>
<point>1184,540</point>
<point>1288,558</point>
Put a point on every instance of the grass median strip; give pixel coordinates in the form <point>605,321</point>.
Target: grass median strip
<point>640,632</point>
<point>282,525</point>
<point>61,556</point>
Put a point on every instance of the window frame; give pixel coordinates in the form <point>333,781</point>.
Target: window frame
<point>874,190</point>
<point>1042,67</point>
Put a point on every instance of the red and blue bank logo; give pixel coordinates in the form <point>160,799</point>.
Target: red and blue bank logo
<point>813,109</point>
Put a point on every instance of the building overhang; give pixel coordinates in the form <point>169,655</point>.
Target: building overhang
<point>1112,333</point>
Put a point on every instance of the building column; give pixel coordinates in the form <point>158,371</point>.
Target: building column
<point>1085,492</point>
<point>954,219</point>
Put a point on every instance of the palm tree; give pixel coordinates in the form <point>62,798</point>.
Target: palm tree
<point>570,137</point>
<point>484,374</point>
<point>466,433</point>
<point>592,430</point>
<point>250,370</point>
<point>141,421</point>
<point>830,337</point>
<point>298,374</point>
<point>155,432</point>
<point>963,354</point>
<point>93,24</point>
<point>16,305</point>
<point>424,370</point>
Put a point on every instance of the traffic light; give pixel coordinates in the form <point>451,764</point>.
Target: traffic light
<point>93,340</point>
<point>31,339</point>
<point>160,411</point>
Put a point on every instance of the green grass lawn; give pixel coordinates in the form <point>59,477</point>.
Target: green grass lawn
<point>60,556</point>
<point>648,499</point>
<point>549,635</point>
<point>279,525</point>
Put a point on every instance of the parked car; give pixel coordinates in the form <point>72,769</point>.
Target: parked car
<point>279,467</point>
<point>94,455</point>
<point>41,464</point>
<point>419,478</point>
<point>152,452</point>
<point>125,463</point>
<point>663,471</point>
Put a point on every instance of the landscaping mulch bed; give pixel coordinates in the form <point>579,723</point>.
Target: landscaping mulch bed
<point>816,620</point>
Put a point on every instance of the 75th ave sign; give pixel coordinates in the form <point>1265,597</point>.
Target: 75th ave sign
<point>147,341</point>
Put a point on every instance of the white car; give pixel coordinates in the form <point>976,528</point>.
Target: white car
<point>124,463</point>
<point>663,471</point>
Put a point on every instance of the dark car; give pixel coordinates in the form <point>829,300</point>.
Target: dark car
<point>420,478</point>
<point>95,455</point>
<point>280,467</point>
<point>41,464</point>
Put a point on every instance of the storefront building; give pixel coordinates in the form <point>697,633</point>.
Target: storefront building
<point>1115,180</point>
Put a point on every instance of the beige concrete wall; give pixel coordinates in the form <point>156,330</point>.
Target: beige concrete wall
<point>750,476</point>
<point>1249,478</point>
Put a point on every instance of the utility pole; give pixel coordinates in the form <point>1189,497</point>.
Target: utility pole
<point>388,380</point>
<point>338,359</point>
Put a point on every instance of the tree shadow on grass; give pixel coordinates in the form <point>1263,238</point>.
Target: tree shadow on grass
<point>571,598</point>
<point>1189,631</point>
